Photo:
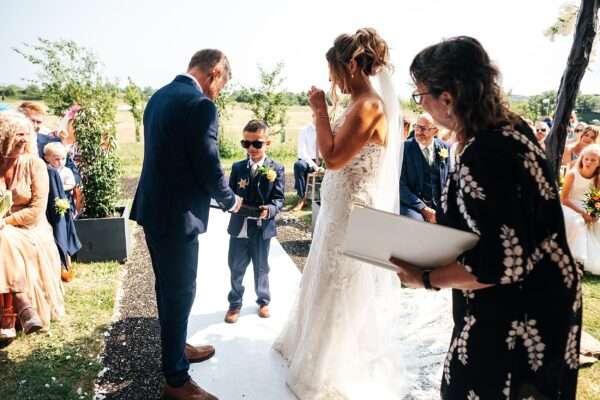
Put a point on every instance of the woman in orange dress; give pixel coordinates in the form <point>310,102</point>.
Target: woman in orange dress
<point>29,260</point>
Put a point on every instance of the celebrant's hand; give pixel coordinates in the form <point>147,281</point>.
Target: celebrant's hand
<point>316,100</point>
<point>264,214</point>
<point>409,275</point>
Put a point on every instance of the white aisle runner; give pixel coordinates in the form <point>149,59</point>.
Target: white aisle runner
<point>244,366</point>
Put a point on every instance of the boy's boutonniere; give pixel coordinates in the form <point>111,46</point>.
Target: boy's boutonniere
<point>61,205</point>
<point>268,172</point>
<point>443,153</point>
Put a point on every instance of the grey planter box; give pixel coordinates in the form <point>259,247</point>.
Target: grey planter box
<point>104,239</point>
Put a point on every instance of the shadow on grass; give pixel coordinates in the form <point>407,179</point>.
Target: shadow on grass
<point>53,370</point>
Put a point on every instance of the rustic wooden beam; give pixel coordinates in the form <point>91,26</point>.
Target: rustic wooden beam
<point>579,57</point>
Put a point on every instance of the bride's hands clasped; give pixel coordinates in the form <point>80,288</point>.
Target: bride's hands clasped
<point>316,100</point>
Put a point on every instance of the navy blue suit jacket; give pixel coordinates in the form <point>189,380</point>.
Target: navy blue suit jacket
<point>181,170</point>
<point>63,227</point>
<point>412,177</point>
<point>271,195</point>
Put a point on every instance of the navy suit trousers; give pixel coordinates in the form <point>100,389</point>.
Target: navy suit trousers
<point>241,252</point>
<point>175,263</point>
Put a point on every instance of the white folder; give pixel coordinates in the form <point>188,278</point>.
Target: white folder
<point>373,236</point>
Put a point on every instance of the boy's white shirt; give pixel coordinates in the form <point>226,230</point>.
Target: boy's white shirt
<point>66,176</point>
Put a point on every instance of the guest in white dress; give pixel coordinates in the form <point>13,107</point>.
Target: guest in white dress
<point>583,230</point>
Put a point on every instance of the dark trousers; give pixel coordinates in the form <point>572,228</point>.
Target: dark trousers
<point>241,252</point>
<point>301,170</point>
<point>175,263</point>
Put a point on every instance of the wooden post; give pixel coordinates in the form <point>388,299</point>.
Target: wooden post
<point>579,57</point>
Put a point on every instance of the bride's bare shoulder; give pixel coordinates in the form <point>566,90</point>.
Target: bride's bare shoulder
<point>368,106</point>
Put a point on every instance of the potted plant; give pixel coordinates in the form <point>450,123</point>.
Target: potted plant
<point>70,75</point>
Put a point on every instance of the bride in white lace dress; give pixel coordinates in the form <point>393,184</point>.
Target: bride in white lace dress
<point>340,340</point>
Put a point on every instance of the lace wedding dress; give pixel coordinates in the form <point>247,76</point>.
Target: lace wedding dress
<point>353,333</point>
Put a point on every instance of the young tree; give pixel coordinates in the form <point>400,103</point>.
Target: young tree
<point>69,74</point>
<point>268,101</point>
<point>134,97</point>
<point>227,148</point>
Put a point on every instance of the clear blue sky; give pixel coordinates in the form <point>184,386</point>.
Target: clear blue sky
<point>151,41</point>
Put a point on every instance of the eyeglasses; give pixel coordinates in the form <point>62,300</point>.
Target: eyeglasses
<point>418,97</point>
<point>424,128</point>
<point>540,130</point>
<point>578,130</point>
<point>257,144</point>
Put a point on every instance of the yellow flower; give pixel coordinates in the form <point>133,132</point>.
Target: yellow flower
<point>443,153</point>
<point>61,205</point>
<point>271,175</point>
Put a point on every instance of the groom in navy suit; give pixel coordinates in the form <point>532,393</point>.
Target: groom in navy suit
<point>424,172</point>
<point>180,174</point>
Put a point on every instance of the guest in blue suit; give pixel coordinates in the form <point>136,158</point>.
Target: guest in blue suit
<point>180,174</point>
<point>424,172</point>
<point>260,182</point>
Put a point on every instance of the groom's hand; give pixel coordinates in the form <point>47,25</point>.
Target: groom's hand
<point>238,204</point>
<point>264,214</point>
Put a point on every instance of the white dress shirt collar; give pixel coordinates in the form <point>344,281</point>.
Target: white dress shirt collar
<point>193,80</point>
<point>259,162</point>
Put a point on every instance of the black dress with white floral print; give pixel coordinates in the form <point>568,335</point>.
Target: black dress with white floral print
<point>520,338</point>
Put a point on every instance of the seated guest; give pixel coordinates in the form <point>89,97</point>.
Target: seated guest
<point>424,171</point>
<point>29,260</point>
<point>587,136</point>
<point>62,183</point>
<point>583,230</point>
<point>65,133</point>
<point>35,113</point>
<point>55,155</point>
<point>541,131</point>
<point>307,161</point>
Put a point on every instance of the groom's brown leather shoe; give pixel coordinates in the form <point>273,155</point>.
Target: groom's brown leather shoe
<point>263,311</point>
<point>189,391</point>
<point>196,354</point>
<point>232,316</point>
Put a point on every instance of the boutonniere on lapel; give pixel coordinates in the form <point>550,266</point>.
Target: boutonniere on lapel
<point>243,183</point>
<point>443,153</point>
<point>269,173</point>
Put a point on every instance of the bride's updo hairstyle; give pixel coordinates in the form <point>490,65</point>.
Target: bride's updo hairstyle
<point>462,67</point>
<point>369,50</point>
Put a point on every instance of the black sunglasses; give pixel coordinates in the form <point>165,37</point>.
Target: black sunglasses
<point>257,144</point>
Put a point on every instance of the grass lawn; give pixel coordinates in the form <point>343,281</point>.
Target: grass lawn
<point>63,363</point>
<point>589,377</point>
